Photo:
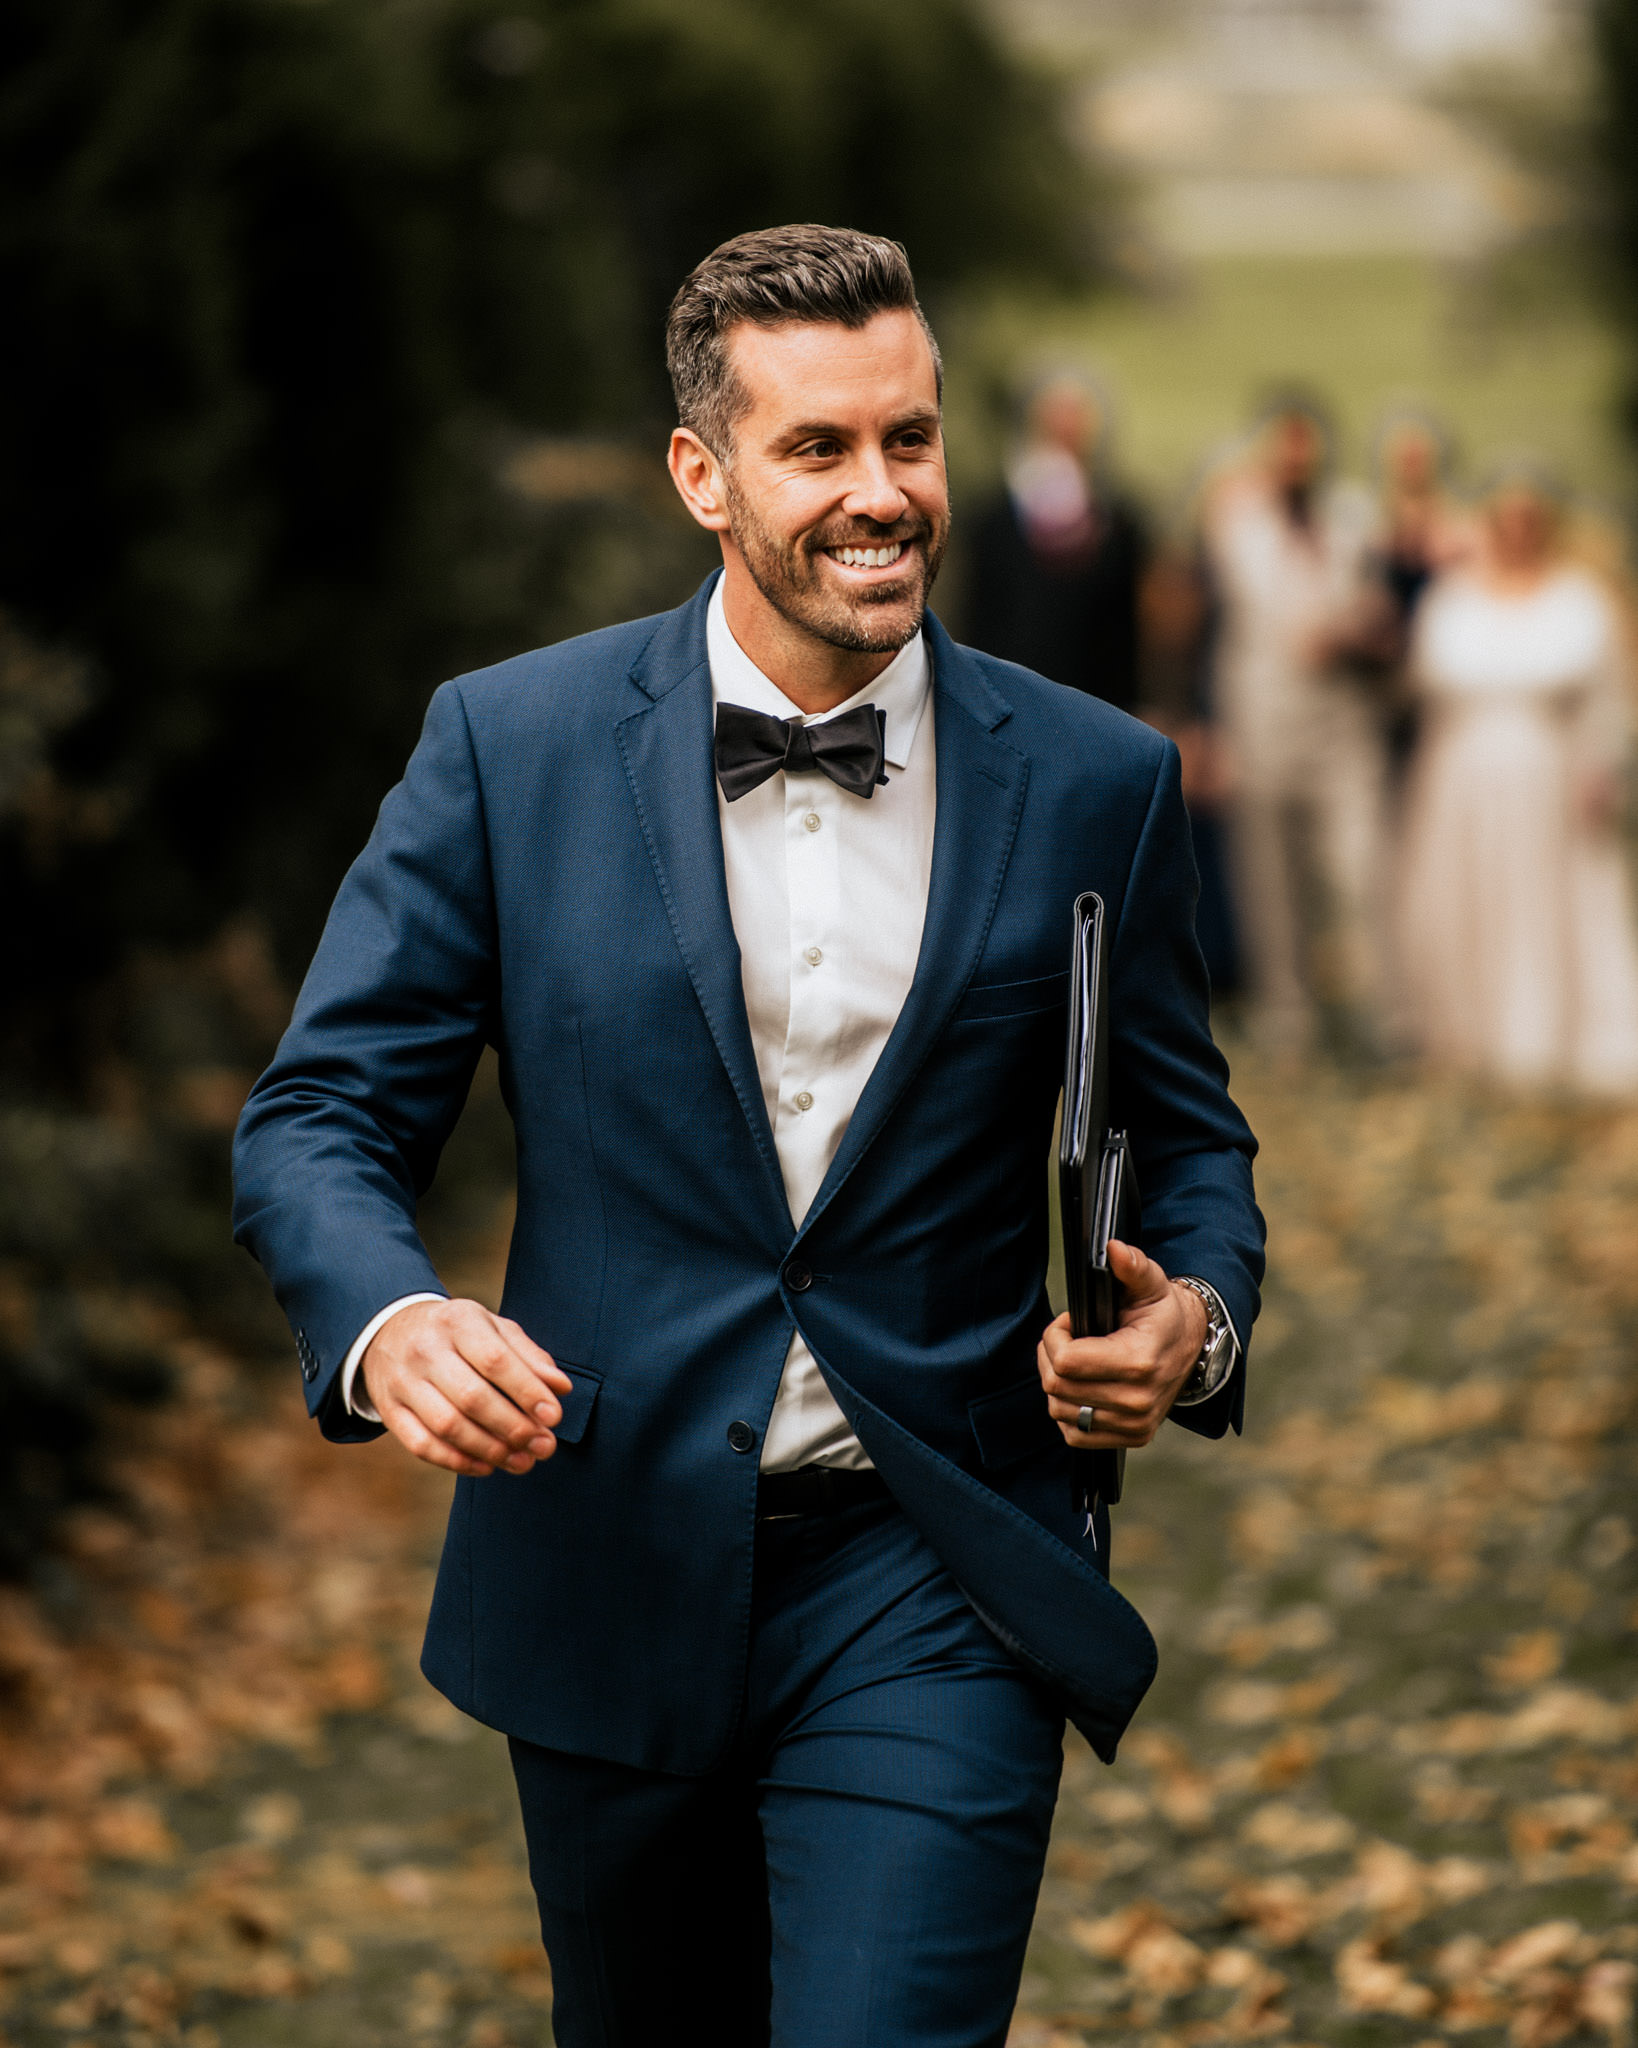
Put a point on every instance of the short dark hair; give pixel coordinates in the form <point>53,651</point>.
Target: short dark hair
<point>1294,400</point>
<point>770,277</point>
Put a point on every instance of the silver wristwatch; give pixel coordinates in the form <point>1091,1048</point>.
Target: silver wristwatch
<point>1217,1354</point>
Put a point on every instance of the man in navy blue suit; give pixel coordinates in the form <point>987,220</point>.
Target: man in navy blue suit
<point>766,1550</point>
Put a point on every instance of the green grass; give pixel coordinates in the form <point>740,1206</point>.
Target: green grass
<point>1515,358</point>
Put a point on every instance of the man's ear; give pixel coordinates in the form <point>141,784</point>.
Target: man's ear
<point>698,476</point>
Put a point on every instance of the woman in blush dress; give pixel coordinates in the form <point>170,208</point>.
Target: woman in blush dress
<point>1517,941</point>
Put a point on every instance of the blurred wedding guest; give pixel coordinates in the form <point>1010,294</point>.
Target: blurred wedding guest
<point>1421,532</point>
<point>1287,550</point>
<point>1517,940</point>
<point>1177,619</point>
<point>1057,559</point>
<point>1422,528</point>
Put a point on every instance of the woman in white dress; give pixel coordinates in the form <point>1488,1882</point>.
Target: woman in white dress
<point>1518,947</point>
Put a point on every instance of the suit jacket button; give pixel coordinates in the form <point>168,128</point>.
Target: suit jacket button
<point>741,1436</point>
<point>797,1277</point>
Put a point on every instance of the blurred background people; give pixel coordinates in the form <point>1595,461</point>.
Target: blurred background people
<point>1421,531</point>
<point>1516,931</point>
<point>1178,619</point>
<point>1057,559</point>
<point>1287,551</point>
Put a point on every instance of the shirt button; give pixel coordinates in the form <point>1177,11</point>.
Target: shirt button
<point>813,956</point>
<point>804,1100</point>
<point>797,1277</point>
<point>741,1436</point>
<point>812,821</point>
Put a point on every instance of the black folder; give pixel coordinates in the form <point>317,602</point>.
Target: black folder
<point>1097,1184</point>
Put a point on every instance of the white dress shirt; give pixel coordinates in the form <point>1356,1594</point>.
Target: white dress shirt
<point>828,895</point>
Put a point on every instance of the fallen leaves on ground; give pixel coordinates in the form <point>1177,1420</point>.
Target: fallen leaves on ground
<point>215,1661</point>
<point>1385,1791</point>
<point>1385,1788</point>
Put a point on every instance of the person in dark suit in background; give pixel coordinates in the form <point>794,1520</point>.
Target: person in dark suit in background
<point>765,1550</point>
<point>1057,560</point>
<point>1179,633</point>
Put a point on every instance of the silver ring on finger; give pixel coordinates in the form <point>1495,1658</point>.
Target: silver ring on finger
<point>1083,1421</point>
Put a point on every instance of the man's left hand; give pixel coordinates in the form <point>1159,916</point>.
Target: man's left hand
<point>1130,1378</point>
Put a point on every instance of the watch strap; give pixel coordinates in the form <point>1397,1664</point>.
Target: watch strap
<point>1220,1351</point>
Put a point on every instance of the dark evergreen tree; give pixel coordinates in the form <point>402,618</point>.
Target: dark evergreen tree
<point>1615,30</point>
<point>282,280</point>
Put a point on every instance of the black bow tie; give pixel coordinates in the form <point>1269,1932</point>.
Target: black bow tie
<point>751,746</point>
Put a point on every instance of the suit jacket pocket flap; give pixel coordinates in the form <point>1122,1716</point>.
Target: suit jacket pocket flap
<point>578,1402</point>
<point>996,999</point>
<point>1012,1424</point>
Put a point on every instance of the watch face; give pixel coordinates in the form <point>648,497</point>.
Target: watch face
<point>1219,1356</point>
<point>1216,1358</point>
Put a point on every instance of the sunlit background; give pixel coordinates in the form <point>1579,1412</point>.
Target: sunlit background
<point>329,367</point>
<point>1390,201</point>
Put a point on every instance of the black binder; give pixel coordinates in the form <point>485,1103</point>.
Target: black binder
<point>1097,1185</point>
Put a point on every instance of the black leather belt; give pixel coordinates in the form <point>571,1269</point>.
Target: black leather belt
<point>815,1490</point>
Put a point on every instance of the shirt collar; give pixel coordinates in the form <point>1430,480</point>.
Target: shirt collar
<point>900,690</point>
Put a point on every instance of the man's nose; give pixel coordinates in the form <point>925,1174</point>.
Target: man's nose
<point>873,492</point>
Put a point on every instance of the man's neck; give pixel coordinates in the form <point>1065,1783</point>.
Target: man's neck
<point>813,674</point>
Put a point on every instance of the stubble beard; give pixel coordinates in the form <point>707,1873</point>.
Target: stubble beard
<point>789,576</point>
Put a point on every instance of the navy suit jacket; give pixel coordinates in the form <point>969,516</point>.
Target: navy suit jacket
<point>548,877</point>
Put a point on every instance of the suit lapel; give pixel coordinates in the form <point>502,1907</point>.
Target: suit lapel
<point>666,748</point>
<point>981,782</point>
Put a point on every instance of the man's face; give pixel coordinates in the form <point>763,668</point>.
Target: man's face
<point>1064,416</point>
<point>1295,451</point>
<point>1413,460</point>
<point>1521,527</point>
<point>836,493</point>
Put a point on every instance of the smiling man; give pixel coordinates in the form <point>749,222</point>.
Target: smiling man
<point>766,1551</point>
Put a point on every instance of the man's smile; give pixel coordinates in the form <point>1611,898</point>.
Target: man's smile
<point>852,557</point>
<point>867,560</point>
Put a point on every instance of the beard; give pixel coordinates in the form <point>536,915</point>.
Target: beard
<point>877,619</point>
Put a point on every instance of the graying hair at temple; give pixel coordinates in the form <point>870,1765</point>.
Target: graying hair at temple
<point>771,277</point>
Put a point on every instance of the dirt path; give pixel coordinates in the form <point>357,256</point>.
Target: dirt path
<point>1384,1791</point>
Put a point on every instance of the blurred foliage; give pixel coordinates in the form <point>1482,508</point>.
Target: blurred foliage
<point>1615,27</point>
<point>331,367</point>
<point>1541,120</point>
<point>285,280</point>
<point>1537,114</point>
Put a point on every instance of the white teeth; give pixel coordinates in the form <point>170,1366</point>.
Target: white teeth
<point>868,558</point>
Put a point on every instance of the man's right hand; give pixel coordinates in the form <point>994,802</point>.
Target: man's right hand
<point>463,1388</point>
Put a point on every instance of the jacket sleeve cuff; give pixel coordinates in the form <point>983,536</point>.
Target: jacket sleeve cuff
<point>359,1403</point>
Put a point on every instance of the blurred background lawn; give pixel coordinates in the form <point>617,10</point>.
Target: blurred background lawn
<point>331,367</point>
<point>1373,331</point>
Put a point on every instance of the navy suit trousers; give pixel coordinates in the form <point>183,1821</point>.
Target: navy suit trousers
<point>863,1871</point>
